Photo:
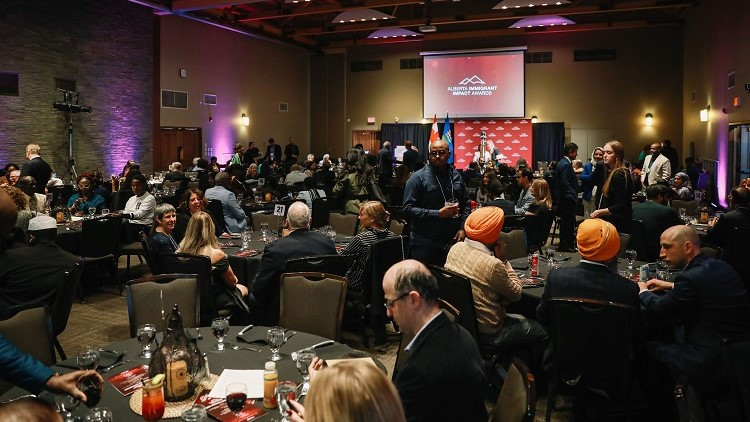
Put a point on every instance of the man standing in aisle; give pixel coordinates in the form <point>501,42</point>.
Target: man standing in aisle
<point>36,167</point>
<point>291,151</point>
<point>385,167</point>
<point>656,167</point>
<point>411,156</point>
<point>436,200</point>
<point>273,151</point>
<point>567,191</point>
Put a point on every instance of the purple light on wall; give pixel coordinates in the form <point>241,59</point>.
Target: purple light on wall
<point>722,156</point>
<point>222,143</point>
<point>119,147</point>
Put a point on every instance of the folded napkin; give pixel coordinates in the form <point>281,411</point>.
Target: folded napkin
<point>253,337</point>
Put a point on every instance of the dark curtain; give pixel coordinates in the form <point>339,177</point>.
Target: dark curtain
<point>417,133</point>
<point>548,140</point>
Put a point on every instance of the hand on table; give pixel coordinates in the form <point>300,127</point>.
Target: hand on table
<point>656,285</point>
<point>66,383</point>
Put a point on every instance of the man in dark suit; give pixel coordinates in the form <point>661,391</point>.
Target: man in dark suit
<point>411,156</point>
<point>567,196</point>
<point>300,242</point>
<point>709,298</point>
<point>291,151</point>
<point>273,151</point>
<point>33,274</point>
<point>739,202</point>
<point>36,167</point>
<point>443,366</point>
<point>385,167</point>
<point>656,217</point>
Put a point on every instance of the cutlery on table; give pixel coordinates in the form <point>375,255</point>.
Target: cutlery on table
<point>236,347</point>
<point>314,346</point>
<point>114,365</point>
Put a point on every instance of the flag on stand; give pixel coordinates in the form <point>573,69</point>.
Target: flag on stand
<point>448,138</point>
<point>435,134</point>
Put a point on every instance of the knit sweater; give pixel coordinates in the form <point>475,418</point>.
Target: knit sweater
<point>493,283</point>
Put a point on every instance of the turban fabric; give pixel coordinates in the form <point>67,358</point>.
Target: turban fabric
<point>597,240</point>
<point>484,225</point>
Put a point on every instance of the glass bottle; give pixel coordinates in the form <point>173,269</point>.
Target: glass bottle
<point>270,379</point>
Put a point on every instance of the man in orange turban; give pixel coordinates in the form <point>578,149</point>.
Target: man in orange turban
<point>481,258</point>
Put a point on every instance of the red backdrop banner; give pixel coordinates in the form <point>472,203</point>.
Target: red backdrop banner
<point>512,138</point>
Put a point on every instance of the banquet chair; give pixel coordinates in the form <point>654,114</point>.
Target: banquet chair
<point>517,399</point>
<point>538,238</point>
<point>148,254</point>
<point>330,264</point>
<point>63,304</point>
<point>600,360</point>
<point>320,209</point>
<point>119,199</point>
<point>182,263</point>
<point>272,220</point>
<point>455,289</point>
<point>100,238</point>
<point>515,244</point>
<point>690,206</point>
<point>397,227</point>
<point>639,243</point>
<point>624,242</point>
<point>736,252</point>
<point>312,302</point>
<point>150,298</point>
<point>217,210</point>
<point>129,249</point>
<point>16,326</point>
<point>711,251</point>
<point>736,351</point>
<point>345,224</point>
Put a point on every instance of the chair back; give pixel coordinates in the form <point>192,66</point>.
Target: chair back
<point>735,353</point>
<point>736,250</point>
<point>711,251</point>
<point>100,237</point>
<point>147,253</point>
<point>456,290</point>
<point>638,242</point>
<point>690,206</point>
<point>397,227</point>
<point>313,303</point>
<point>29,328</point>
<point>345,224</point>
<point>329,264</point>
<point>544,227</point>
<point>382,255</point>
<point>320,210</point>
<point>217,210</point>
<point>183,263</point>
<point>257,218</point>
<point>64,299</point>
<point>601,358</point>
<point>120,198</point>
<point>517,399</point>
<point>624,242</point>
<point>151,298</point>
<point>515,244</point>
<point>702,181</point>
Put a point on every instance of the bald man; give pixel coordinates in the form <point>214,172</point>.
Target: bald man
<point>710,299</point>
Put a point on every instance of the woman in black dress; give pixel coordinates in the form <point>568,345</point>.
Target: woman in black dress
<point>615,203</point>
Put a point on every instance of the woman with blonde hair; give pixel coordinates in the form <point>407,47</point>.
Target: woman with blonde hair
<point>615,203</point>
<point>542,198</point>
<point>200,239</point>
<point>350,391</point>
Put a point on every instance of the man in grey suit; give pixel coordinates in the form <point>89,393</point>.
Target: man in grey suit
<point>234,217</point>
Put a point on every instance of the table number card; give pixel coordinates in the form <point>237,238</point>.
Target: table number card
<point>279,210</point>
<point>261,181</point>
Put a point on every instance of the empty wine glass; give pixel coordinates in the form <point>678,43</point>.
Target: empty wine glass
<point>631,256</point>
<point>99,414</point>
<point>220,328</point>
<point>66,405</point>
<point>88,358</point>
<point>549,253</point>
<point>246,238</point>
<point>264,229</point>
<point>92,211</point>
<point>146,334</point>
<point>304,359</point>
<point>683,213</point>
<point>332,234</point>
<point>275,337</point>
<point>105,211</point>
<point>285,391</point>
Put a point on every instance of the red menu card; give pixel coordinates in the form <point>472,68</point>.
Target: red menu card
<point>218,409</point>
<point>129,381</point>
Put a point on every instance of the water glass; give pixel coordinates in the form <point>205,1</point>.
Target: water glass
<point>264,229</point>
<point>99,414</point>
<point>92,211</point>
<point>275,337</point>
<point>88,358</point>
<point>683,212</point>
<point>66,405</point>
<point>631,256</point>
<point>220,328</point>
<point>662,270</point>
<point>304,359</point>
<point>549,253</point>
<point>246,238</point>
<point>285,391</point>
<point>197,413</point>
<point>146,334</point>
<point>332,234</point>
<point>105,211</point>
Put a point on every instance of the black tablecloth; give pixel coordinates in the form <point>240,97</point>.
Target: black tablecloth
<point>218,361</point>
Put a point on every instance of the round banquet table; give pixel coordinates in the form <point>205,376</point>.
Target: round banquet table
<point>217,361</point>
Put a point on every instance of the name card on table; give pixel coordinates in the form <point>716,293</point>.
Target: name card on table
<point>217,408</point>
<point>279,210</point>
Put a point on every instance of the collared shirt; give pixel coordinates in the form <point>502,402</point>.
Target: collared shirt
<point>524,201</point>
<point>411,343</point>
<point>478,245</point>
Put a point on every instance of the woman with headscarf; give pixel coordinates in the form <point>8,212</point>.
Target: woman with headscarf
<point>682,187</point>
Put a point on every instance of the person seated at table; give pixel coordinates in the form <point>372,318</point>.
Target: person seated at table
<point>325,160</point>
<point>32,274</point>
<point>296,175</point>
<point>139,210</point>
<point>310,193</point>
<point>488,178</point>
<point>525,177</point>
<point>201,240</point>
<point>349,391</point>
<point>24,214</point>
<point>29,409</point>
<point>683,189</point>
<point>37,201</point>
<point>192,202</point>
<point>739,216</point>
<point>541,203</point>
<point>494,283</point>
<point>657,216</point>
<point>310,168</point>
<point>252,172</point>
<point>160,239</point>
<point>300,242</point>
<point>234,217</point>
<point>79,203</point>
<point>98,187</point>
<point>373,218</point>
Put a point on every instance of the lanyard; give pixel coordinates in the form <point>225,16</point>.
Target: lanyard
<point>453,194</point>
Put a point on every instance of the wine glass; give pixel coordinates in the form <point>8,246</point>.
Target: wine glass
<point>196,413</point>
<point>92,390</point>
<point>92,211</point>
<point>264,229</point>
<point>332,234</point>
<point>549,253</point>
<point>304,359</point>
<point>99,414</point>
<point>275,338</point>
<point>105,211</point>
<point>631,255</point>
<point>146,334</point>
<point>66,405</point>
<point>285,391</point>
<point>88,358</point>
<point>236,396</point>
<point>662,270</point>
<point>683,213</point>
<point>220,328</point>
<point>246,238</point>
<point>152,401</point>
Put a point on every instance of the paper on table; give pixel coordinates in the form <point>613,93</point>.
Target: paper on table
<point>332,362</point>
<point>252,378</point>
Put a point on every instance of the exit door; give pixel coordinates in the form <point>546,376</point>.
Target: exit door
<point>177,144</point>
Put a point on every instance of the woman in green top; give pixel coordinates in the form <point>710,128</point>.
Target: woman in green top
<point>80,202</point>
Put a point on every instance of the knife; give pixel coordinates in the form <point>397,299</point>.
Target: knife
<point>244,330</point>
<point>314,346</point>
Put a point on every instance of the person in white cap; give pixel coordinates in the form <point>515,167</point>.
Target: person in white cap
<point>33,274</point>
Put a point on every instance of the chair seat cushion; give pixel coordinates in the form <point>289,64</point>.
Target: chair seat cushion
<point>132,247</point>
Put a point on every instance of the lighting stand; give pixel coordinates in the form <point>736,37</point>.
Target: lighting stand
<point>68,107</point>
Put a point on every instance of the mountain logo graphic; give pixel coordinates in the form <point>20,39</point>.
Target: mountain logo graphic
<point>473,80</point>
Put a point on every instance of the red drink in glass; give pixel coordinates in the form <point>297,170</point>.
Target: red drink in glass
<point>152,401</point>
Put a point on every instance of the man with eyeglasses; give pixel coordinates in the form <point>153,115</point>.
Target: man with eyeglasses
<point>436,200</point>
<point>443,366</point>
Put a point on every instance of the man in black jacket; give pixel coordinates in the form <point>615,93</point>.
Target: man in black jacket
<point>300,242</point>
<point>444,367</point>
<point>567,196</point>
<point>657,216</point>
<point>36,167</point>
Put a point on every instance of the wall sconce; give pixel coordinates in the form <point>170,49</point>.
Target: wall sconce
<point>245,120</point>
<point>704,113</point>
<point>649,119</point>
<point>534,119</point>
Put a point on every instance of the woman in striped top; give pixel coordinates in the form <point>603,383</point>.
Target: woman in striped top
<point>373,218</point>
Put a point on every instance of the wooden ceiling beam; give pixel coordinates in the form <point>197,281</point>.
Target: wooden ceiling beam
<point>180,6</point>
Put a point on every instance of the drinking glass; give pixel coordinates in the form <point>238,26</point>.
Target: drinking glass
<point>662,270</point>
<point>275,338</point>
<point>285,391</point>
<point>196,413</point>
<point>220,328</point>
<point>631,255</point>
<point>451,202</point>
<point>304,359</point>
<point>152,401</point>
<point>105,211</point>
<point>236,396</point>
<point>264,229</point>
<point>246,238</point>
<point>682,213</point>
<point>549,253</point>
<point>99,414</point>
<point>332,234</point>
<point>92,391</point>
<point>66,404</point>
<point>146,334</point>
<point>88,358</point>
<point>92,211</point>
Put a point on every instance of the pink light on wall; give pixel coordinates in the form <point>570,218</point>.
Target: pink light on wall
<point>222,143</point>
<point>722,144</point>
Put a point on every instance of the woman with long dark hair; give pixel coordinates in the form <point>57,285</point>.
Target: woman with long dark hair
<point>615,203</point>
<point>192,202</point>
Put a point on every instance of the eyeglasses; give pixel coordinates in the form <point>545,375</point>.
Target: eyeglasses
<point>440,152</point>
<point>389,303</point>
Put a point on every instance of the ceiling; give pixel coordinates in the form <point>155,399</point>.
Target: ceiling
<point>310,24</point>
